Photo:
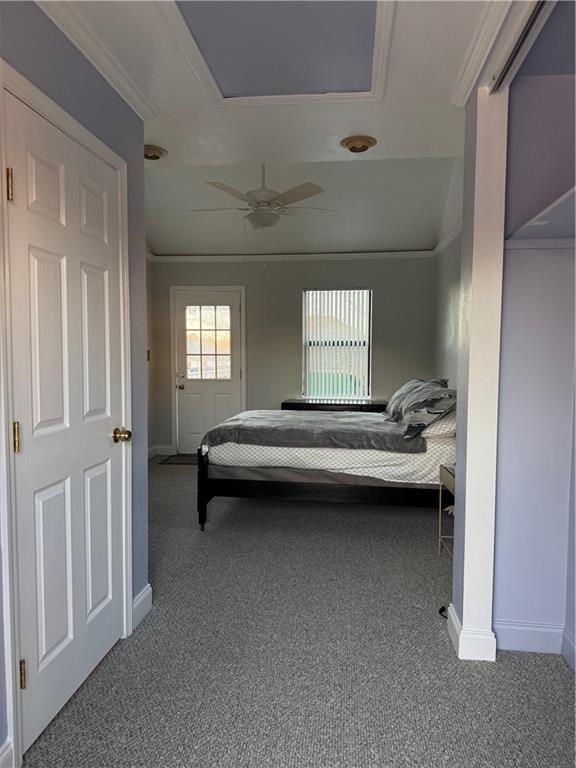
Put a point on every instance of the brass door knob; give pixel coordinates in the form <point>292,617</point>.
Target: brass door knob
<point>121,435</point>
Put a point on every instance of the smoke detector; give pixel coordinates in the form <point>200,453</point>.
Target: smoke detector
<point>358,144</point>
<point>152,152</point>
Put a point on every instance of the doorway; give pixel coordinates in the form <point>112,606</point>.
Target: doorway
<point>208,360</point>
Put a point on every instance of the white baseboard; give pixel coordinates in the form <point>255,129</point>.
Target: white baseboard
<point>529,636</point>
<point>569,647</point>
<point>160,450</point>
<point>7,754</point>
<point>141,605</point>
<point>470,644</point>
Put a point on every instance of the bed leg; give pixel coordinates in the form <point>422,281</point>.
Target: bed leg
<point>201,514</point>
<point>201,490</point>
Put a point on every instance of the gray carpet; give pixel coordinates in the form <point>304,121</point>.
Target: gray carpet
<point>293,635</point>
<point>180,458</point>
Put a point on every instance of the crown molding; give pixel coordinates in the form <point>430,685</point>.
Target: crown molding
<point>68,18</point>
<point>385,9</point>
<point>448,239</point>
<point>169,12</point>
<point>266,257</point>
<point>491,21</point>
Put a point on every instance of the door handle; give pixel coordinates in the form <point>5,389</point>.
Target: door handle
<point>180,386</point>
<point>121,435</point>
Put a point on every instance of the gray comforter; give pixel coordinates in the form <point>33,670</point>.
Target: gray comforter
<point>315,429</point>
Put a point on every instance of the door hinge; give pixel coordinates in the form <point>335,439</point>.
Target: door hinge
<point>10,184</point>
<point>23,674</point>
<point>16,436</point>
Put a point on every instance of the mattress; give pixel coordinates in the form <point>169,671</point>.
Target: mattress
<point>417,468</point>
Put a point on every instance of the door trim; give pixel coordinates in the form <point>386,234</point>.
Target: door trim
<point>174,289</point>
<point>14,83</point>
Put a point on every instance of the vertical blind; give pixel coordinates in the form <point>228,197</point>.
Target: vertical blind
<point>337,328</point>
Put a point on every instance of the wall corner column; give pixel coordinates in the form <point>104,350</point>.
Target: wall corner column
<point>470,614</point>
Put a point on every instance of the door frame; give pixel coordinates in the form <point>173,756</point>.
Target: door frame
<point>14,83</point>
<point>174,289</point>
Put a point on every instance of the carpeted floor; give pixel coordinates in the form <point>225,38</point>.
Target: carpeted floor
<point>180,458</point>
<point>293,635</point>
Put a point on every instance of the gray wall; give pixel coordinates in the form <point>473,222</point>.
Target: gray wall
<point>34,46</point>
<point>403,323</point>
<point>448,312</point>
<point>534,448</point>
<point>463,356</point>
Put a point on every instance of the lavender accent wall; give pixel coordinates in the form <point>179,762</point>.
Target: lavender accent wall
<point>282,47</point>
<point>553,50</point>
<point>534,563</point>
<point>569,629</point>
<point>34,46</point>
<point>541,151</point>
<point>534,448</point>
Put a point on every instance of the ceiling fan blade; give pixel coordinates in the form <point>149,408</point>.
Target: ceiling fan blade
<point>295,211</point>
<point>203,210</point>
<point>302,192</point>
<point>228,190</point>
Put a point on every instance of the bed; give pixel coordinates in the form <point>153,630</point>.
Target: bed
<point>377,458</point>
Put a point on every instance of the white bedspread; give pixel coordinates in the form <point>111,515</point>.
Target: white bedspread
<point>383,465</point>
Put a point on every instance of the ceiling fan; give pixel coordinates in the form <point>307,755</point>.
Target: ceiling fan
<point>265,206</point>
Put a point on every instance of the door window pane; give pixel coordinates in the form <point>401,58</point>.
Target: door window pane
<point>208,342</point>
<point>193,366</point>
<point>204,342</point>
<point>193,342</point>
<point>208,366</point>
<point>223,342</point>
<point>192,318</point>
<point>223,318</point>
<point>209,317</point>
<point>223,367</point>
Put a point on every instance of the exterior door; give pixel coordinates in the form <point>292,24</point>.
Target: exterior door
<point>64,261</point>
<point>208,376</point>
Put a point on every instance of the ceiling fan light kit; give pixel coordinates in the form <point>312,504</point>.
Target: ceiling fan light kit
<point>357,144</point>
<point>263,219</point>
<point>266,206</point>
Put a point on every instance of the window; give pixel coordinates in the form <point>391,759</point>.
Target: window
<point>208,342</point>
<point>337,340</point>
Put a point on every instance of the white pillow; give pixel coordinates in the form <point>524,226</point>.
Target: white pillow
<point>444,427</point>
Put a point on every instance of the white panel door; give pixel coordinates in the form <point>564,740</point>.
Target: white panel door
<point>67,397</point>
<point>208,376</point>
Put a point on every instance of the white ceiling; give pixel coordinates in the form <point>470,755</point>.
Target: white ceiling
<point>377,203</point>
<point>426,54</point>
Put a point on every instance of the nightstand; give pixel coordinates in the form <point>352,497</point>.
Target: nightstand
<point>447,480</point>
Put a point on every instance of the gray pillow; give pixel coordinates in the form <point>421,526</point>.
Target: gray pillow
<point>394,403</point>
<point>395,406</point>
<point>426,396</point>
<point>427,405</point>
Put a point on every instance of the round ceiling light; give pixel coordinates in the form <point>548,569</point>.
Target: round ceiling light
<point>358,144</point>
<point>153,152</point>
<point>263,218</point>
